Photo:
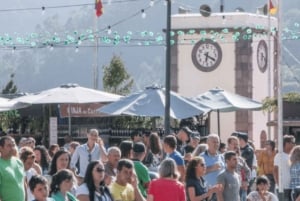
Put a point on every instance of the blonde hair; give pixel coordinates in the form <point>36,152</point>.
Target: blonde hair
<point>168,168</point>
<point>295,155</point>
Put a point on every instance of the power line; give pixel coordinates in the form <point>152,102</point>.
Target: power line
<point>287,64</point>
<point>62,6</point>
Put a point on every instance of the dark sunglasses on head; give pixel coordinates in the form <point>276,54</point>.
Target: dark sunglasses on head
<point>99,169</point>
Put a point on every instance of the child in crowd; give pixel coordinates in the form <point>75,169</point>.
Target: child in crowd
<point>39,188</point>
<point>61,185</point>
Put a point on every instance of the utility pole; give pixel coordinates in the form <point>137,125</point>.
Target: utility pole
<point>168,69</point>
<point>96,52</point>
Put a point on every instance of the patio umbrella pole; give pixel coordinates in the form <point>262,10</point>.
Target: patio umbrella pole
<point>69,130</point>
<point>218,116</point>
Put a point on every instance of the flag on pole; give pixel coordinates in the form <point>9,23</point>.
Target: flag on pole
<point>272,7</point>
<point>98,8</point>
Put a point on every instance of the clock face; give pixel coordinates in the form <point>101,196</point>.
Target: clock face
<point>206,55</point>
<point>262,56</point>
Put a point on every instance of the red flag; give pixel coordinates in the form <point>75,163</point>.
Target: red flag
<point>272,8</point>
<point>98,8</point>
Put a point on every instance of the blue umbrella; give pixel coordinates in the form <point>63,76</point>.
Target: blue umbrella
<point>220,100</point>
<point>151,103</point>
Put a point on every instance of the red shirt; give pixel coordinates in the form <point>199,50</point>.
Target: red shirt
<point>166,190</point>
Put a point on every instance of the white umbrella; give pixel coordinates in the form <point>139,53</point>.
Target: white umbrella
<point>223,101</point>
<point>68,94</point>
<point>151,103</point>
<point>7,105</point>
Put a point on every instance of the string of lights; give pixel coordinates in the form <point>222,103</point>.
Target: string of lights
<point>63,6</point>
<point>148,38</point>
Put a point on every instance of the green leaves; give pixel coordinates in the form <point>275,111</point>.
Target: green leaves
<point>116,79</point>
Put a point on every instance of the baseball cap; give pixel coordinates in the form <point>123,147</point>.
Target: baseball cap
<point>241,135</point>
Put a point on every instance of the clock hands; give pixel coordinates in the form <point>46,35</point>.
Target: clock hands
<point>208,57</point>
<point>262,56</point>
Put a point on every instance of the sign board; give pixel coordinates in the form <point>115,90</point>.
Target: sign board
<point>52,130</point>
<point>80,110</point>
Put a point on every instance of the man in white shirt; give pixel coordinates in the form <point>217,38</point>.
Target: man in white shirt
<point>92,150</point>
<point>282,160</point>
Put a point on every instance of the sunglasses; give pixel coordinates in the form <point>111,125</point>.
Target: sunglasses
<point>202,165</point>
<point>99,170</point>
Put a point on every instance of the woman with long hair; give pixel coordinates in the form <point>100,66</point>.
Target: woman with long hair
<point>167,187</point>
<point>196,186</point>
<point>93,188</point>
<point>156,151</point>
<point>61,185</point>
<point>61,160</point>
<point>42,158</point>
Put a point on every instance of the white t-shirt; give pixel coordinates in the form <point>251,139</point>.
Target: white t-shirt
<point>283,162</point>
<point>254,196</point>
<point>29,173</point>
<point>254,165</point>
<point>83,190</point>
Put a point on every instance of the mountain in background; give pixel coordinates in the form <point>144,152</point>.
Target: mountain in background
<point>37,69</point>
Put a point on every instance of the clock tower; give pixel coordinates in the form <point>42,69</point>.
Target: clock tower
<point>232,51</point>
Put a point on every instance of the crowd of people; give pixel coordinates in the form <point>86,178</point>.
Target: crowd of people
<point>176,167</point>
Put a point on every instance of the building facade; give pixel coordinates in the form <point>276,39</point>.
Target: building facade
<point>232,51</point>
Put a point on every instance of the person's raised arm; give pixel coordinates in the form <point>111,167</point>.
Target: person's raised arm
<point>137,193</point>
<point>103,153</point>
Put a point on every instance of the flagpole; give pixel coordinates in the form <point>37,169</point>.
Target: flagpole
<point>269,65</point>
<point>99,12</point>
<point>279,99</point>
<point>96,51</point>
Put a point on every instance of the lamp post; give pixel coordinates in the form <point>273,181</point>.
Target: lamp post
<point>168,69</point>
<point>279,97</point>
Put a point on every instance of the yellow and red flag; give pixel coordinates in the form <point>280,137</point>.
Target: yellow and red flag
<point>272,7</point>
<point>98,8</point>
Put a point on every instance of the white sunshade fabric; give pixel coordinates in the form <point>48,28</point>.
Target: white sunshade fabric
<point>151,102</point>
<point>69,93</point>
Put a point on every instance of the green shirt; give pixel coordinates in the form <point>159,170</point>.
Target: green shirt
<point>142,175</point>
<point>12,177</point>
<point>59,197</point>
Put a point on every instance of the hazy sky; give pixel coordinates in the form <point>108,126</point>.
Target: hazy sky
<point>43,69</point>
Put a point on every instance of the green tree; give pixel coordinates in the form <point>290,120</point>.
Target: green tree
<point>10,119</point>
<point>115,78</point>
<point>10,87</point>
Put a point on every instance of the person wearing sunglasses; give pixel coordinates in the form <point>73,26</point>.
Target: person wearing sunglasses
<point>93,188</point>
<point>196,186</point>
<point>92,150</point>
